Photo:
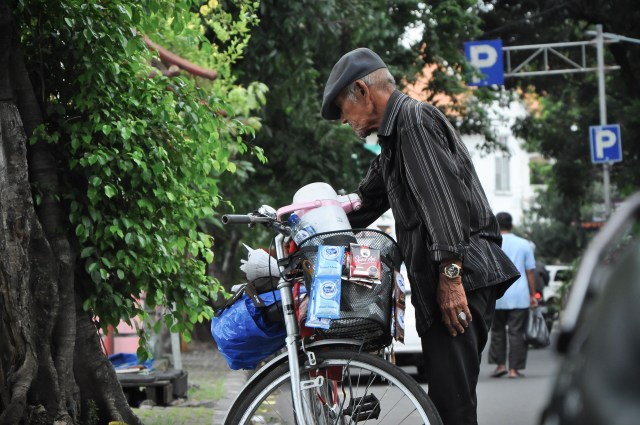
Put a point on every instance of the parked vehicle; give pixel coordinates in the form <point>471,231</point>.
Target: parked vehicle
<point>550,299</point>
<point>558,276</point>
<point>599,336</point>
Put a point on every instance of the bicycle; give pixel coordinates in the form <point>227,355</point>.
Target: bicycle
<point>339,379</point>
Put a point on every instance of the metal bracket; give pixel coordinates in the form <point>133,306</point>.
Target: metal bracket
<point>312,358</point>
<point>312,383</point>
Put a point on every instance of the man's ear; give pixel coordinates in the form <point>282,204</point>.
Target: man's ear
<point>362,87</point>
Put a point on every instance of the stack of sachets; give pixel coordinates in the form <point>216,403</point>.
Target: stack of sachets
<point>324,301</point>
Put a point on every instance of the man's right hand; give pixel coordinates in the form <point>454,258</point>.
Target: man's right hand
<point>453,300</point>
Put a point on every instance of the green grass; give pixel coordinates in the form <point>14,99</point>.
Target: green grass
<point>203,391</point>
<point>204,386</point>
<point>176,415</point>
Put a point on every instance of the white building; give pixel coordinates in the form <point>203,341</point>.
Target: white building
<point>504,175</point>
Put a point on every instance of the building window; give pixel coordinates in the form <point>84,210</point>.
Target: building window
<point>503,180</point>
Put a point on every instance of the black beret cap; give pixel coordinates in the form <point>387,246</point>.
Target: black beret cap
<point>353,65</point>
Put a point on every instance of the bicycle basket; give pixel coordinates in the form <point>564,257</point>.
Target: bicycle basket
<point>365,313</point>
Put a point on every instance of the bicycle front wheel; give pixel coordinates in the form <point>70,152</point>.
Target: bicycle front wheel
<point>348,388</point>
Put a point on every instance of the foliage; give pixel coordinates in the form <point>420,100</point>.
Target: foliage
<point>293,50</point>
<point>141,158</point>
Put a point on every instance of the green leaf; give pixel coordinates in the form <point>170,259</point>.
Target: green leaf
<point>125,132</point>
<point>86,305</point>
<point>86,252</point>
<point>142,354</point>
<point>110,191</point>
<point>168,321</point>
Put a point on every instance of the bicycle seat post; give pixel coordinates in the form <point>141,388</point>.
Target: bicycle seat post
<point>293,333</point>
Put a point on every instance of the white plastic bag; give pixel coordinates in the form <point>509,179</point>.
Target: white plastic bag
<point>258,264</point>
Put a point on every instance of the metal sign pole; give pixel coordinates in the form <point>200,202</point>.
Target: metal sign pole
<point>603,116</point>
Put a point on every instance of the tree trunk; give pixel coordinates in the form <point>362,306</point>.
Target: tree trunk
<point>52,367</point>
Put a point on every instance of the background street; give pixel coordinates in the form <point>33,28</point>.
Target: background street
<point>504,401</point>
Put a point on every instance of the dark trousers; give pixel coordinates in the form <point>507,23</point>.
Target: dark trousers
<point>452,364</point>
<point>509,325</point>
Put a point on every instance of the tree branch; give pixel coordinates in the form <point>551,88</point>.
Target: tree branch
<point>173,59</point>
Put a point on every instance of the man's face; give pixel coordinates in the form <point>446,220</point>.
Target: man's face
<point>359,113</point>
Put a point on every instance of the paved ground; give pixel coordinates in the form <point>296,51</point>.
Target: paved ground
<point>212,387</point>
<point>501,401</point>
<point>209,361</point>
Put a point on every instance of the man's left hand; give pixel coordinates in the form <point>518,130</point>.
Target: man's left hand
<point>452,301</point>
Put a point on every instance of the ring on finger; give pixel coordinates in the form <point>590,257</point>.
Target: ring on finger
<point>462,316</point>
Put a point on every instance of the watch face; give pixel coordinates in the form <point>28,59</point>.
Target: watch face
<point>451,270</point>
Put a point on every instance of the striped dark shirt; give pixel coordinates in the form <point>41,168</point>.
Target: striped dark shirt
<point>425,175</point>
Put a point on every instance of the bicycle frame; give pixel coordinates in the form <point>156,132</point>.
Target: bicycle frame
<point>293,333</point>
<point>293,344</point>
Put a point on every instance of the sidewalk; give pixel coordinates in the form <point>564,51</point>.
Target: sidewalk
<point>212,388</point>
<point>210,362</point>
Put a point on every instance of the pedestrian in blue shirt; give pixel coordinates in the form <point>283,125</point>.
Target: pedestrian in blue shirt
<point>512,309</point>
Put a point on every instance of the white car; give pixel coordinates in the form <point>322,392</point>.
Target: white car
<point>558,275</point>
<point>409,353</point>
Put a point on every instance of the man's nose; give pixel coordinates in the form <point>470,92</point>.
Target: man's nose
<point>343,118</point>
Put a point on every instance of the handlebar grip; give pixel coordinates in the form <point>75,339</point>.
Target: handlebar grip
<point>237,219</point>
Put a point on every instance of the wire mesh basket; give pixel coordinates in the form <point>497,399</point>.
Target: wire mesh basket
<point>365,312</point>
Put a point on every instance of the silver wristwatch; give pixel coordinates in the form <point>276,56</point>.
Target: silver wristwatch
<point>451,270</point>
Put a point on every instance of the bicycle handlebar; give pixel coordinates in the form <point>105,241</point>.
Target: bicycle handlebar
<point>257,218</point>
<point>245,219</point>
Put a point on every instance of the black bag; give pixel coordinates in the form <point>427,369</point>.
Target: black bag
<point>536,333</point>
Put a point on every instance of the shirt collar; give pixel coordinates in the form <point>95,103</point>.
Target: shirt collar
<point>391,113</point>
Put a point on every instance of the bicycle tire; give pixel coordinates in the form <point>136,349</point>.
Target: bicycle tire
<point>370,390</point>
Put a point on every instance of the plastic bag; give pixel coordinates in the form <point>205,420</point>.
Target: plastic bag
<point>243,335</point>
<point>536,333</point>
<point>259,264</point>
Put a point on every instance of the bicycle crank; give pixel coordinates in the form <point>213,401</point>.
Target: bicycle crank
<point>363,408</point>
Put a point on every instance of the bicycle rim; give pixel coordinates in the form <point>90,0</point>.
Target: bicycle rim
<point>354,389</point>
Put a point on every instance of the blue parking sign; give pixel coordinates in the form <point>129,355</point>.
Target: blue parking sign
<point>606,143</point>
<point>486,57</point>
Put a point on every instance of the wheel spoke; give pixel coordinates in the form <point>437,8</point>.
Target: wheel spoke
<point>366,390</point>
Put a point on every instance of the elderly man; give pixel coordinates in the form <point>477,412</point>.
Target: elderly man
<point>447,233</point>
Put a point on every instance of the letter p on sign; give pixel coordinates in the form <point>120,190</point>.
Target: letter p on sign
<point>486,57</point>
<point>606,144</point>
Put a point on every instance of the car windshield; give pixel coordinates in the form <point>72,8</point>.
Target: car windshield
<point>563,275</point>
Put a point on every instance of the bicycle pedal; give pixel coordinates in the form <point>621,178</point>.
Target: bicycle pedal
<point>363,408</point>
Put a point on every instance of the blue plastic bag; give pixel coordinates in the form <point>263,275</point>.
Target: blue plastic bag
<point>242,334</point>
<point>128,360</point>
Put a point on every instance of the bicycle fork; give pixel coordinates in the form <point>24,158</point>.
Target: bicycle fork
<point>292,341</point>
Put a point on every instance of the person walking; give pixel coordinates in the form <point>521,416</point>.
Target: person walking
<point>446,231</point>
<point>513,308</point>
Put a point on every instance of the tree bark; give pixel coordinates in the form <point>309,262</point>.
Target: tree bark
<point>44,335</point>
